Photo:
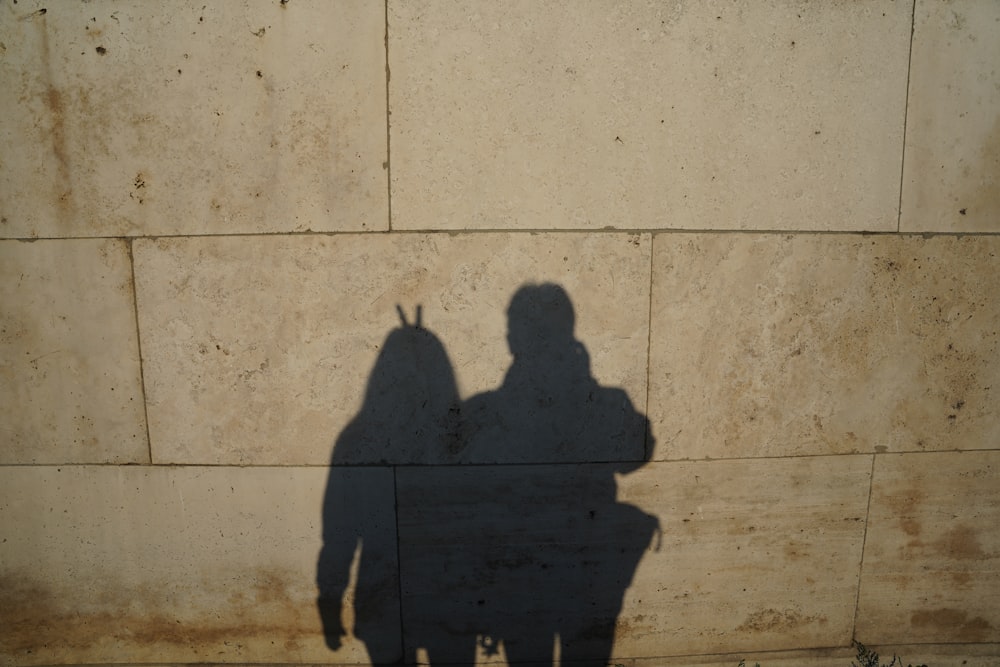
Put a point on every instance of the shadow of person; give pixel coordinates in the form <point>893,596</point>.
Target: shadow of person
<point>526,545</point>
<point>408,416</point>
<point>508,532</point>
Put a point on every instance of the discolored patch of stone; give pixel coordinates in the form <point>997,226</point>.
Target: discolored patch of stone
<point>773,620</point>
<point>955,622</point>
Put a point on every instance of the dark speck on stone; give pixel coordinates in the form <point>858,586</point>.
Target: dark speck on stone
<point>101,50</point>
<point>962,211</point>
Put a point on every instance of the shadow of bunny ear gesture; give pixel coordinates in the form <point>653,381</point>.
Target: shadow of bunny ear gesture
<point>417,323</point>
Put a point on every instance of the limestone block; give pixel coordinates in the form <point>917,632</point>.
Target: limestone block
<point>70,388</point>
<point>766,345</point>
<point>931,560</point>
<point>590,115</point>
<point>961,655</point>
<point>951,175</point>
<point>190,118</point>
<point>138,564</point>
<point>258,350</point>
<point>756,555</point>
<point>744,558</point>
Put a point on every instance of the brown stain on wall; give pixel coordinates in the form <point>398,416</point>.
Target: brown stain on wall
<point>904,506</point>
<point>961,579</point>
<point>55,104</point>
<point>954,624</point>
<point>37,619</point>
<point>961,542</point>
<point>958,543</point>
<point>772,620</point>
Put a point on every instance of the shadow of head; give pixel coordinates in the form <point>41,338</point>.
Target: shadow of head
<point>540,319</point>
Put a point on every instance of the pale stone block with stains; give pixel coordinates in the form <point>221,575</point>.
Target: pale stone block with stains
<point>932,556</point>
<point>163,564</point>
<point>951,176</point>
<point>259,350</point>
<point>190,118</point>
<point>70,388</point>
<point>647,115</point>
<point>767,345</point>
<point>756,555</point>
<point>917,655</point>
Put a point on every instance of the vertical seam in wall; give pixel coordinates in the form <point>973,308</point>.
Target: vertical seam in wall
<point>646,445</point>
<point>906,111</point>
<point>388,154</point>
<point>399,567</point>
<point>138,344</point>
<point>864,541</point>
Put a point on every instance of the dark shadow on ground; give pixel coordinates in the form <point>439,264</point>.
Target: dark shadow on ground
<point>508,531</point>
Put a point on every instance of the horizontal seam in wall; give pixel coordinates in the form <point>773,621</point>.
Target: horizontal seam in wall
<point>461,232</point>
<point>487,465</point>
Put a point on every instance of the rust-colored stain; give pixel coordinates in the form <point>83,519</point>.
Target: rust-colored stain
<point>35,617</point>
<point>954,623</point>
<point>54,103</point>
<point>910,526</point>
<point>961,542</point>
<point>796,551</point>
<point>961,579</point>
<point>904,506</point>
<point>772,620</point>
<point>53,100</point>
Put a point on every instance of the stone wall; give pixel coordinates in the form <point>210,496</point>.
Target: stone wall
<point>777,223</point>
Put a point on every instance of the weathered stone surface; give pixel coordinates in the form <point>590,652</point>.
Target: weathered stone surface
<point>951,176</point>
<point>647,115</point>
<point>767,345</point>
<point>932,555</point>
<point>960,655</point>
<point>743,562</point>
<point>258,349</point>
<point>189,118</point>
<point>779,369</point>
<point>70,388</point>
<point>748,558</point>
<point>160,564</point>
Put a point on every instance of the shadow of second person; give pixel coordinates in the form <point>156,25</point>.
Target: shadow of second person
<point>408,416</point>
<point>526,546</point>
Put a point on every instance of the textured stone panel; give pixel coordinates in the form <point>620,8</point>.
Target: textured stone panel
<point>756,555</point>
<point>961,655</point>
<point>70,388</point>
<point>714,115</point>
<point>951,175</point>
<point>137,565</point>
<point>751,555</point>
<point>932,556</point>
<point>258,349</point>
<point>766,345</point>
<point>189,118</point>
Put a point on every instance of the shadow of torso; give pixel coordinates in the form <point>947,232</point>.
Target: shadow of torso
<point>535,548</point>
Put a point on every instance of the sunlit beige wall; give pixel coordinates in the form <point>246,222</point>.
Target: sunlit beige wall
<point>779,223</point>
